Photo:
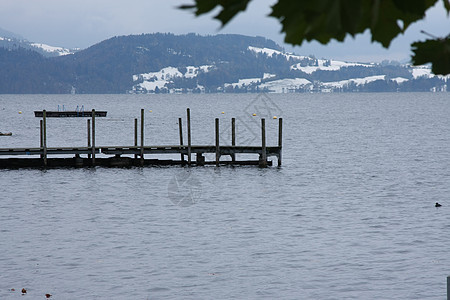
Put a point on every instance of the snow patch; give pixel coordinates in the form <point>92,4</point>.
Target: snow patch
<point>270,52</point>
<point>5,39</point>
<point>327,65</point>
<point>267,51</point>
<point>152,85</point>
<point>285,85</point>
<point>420,71</point>
<point>244,82</point>
<point>268,76</point>
<point>192,71</point>
<point>153,80</point>
<point>163,75</point>
<point>399,79</point>
<point>59,50</point>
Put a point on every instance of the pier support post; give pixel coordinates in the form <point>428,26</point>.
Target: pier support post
<point>200,159</point>
<point>135,135</point>
<point>44,135</point>
<point>93,137</point>
<point>142,137</point>
<point>89,135</point>
<point>188,111</point>
<point>263,157</point>
<point>78,161</point>
<point>280,138</point>
<point>41,138</point>
<point>217,143</point>
<point>233,138</point>
<point>448,287</point>
<point>180,127</point>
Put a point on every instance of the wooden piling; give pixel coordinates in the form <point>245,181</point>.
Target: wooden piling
<point>233,137</point>
<point>89,135</point>
<point>263,157</point>
<point>93,137</point>
<point>448,287</point>
<point>280,138</point>
<point>41,138</point>
<point>44,136</point>
<point>135,135</point>
<point>200,159</point>
<point>180,127</point>
<point>142,137</point>
<point>188,111</point>
<point>217,143</point>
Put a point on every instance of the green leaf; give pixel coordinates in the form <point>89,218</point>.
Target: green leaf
<point>436,52</point>
<point>323,20</point>
<point>203,6</point>
<point>416,7</point>
<point>384,26</point>
<point>320,20</point>
<point>230,8</point>
<point>389,18</point>
<point>447,5</point>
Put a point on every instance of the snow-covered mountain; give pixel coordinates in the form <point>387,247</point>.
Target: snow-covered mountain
<point>11,40</point>
<point>168,63</point>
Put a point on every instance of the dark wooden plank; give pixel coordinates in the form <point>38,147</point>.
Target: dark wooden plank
<point>69,114</point>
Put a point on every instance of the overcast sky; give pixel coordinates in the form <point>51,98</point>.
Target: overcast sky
<point>82,23</point>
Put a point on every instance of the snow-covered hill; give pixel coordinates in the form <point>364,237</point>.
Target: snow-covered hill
<point>308,66</point>
<point>12,41</point>
<point>168,63</point>
<point>57,51</point>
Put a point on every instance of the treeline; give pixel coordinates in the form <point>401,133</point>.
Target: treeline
<point>420,84</point>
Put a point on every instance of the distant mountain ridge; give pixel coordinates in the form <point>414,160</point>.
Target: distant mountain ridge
<point>12,41</point>
<point>168,63</point>
<point>8,34</point>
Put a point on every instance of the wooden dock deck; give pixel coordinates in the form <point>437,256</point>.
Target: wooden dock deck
<point>119,156</point>
<point>69,114</point>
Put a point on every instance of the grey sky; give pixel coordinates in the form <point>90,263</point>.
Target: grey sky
<point>82,23</point>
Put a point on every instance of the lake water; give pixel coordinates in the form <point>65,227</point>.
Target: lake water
<point>349,215</point>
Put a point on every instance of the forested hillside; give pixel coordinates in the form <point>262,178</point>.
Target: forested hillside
<point>167,63</point>
<point>25,71</point>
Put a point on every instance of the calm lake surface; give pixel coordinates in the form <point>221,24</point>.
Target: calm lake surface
<point>349,215</point>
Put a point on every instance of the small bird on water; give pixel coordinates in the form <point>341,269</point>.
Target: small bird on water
<point>437,205</point>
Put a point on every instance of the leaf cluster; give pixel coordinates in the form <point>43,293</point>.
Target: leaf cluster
<point>436,52</point>
<point>324,20</point>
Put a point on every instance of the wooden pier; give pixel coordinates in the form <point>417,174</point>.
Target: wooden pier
<point>116,156</point>
<point>68,114</point>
